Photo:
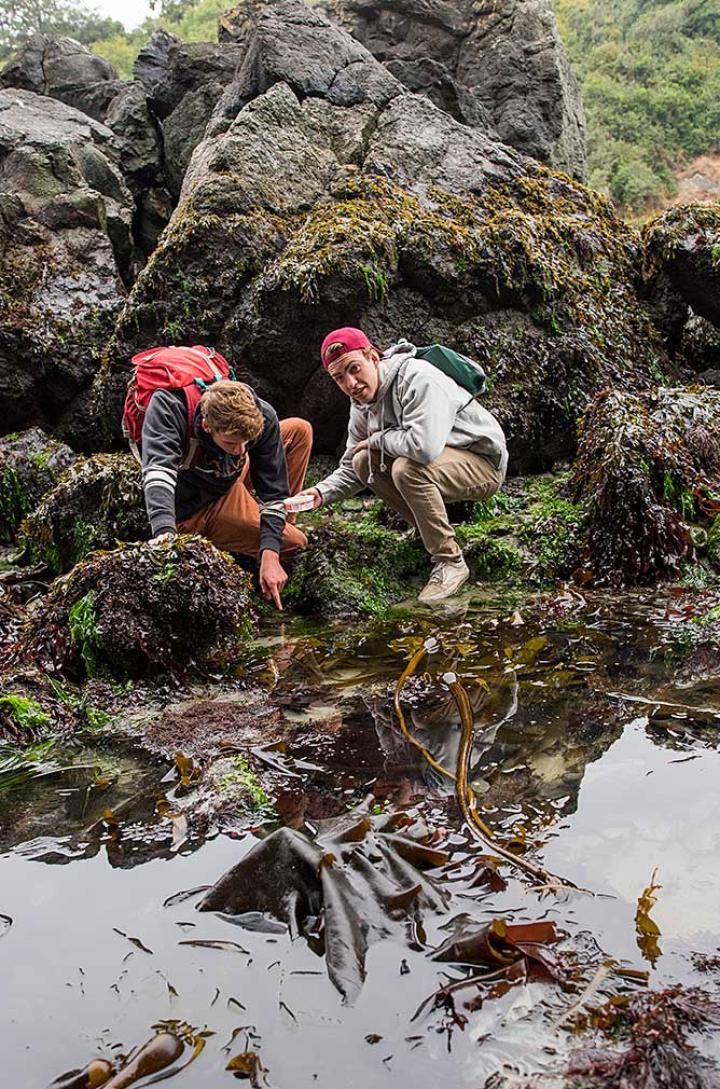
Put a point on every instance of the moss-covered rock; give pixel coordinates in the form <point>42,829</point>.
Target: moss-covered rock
<point>354,568</point>
<point>98,503</point>
<point>30,464</point>
<point>648,470</point>
<point>143,609</point>
<point>529,534</point>
<point>351,202</point>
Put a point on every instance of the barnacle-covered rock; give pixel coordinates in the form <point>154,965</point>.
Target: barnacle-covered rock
<point>143,609</point>
<point>648,468</point>
<point>30,464</point>
<point>97,503</point>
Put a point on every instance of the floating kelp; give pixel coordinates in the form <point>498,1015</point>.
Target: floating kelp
<point>98,503</point>
<point>359,881</point>
<point>647,468</point>
<point>141,609</point>
<point>30,464</point>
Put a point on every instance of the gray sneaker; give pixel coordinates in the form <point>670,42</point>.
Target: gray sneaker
<point>446,579</point>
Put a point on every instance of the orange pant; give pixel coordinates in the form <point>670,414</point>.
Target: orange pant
<point>232,522</point>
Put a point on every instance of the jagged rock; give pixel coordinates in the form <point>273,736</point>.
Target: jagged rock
<point>30,464</point>
<point>184,129</point>
<point>499,66</point>
<point>58,67</point>
<point>98,502</point>
<point>65,216</point>
<point>151,64</point>
<point>335,198</point>
<point>647,470</point>
<point>137,136</point>
<point>186,67</point>
<point>142,609</point>
<point>683,243</point>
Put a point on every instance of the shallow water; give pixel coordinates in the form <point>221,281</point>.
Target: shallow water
<point>603,789</point>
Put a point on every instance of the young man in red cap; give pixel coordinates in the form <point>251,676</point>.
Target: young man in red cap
<point>416,439</point>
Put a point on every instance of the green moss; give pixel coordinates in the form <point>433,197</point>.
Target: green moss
<point>243,776</point>
<point>25,713</point>
<point>14,503</point>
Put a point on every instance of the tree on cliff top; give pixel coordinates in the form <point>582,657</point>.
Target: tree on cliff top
<point>20,19</point>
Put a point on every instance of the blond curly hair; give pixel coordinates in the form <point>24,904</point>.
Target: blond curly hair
<point>229,408</point>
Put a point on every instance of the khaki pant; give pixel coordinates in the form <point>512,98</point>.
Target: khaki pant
<point>418,492</point>
<point>233,521</point>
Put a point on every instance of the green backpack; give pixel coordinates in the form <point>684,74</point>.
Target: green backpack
<point>466,372</point>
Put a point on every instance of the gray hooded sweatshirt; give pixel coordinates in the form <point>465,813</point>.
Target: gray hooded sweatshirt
<point>417,412</point>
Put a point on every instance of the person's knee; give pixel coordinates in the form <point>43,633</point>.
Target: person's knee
<point>404,470</point>
<point>293,540</point>
<point>361,465</point>
<point>300,430</point>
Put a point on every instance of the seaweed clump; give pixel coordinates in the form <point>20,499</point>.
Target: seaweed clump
<point>654,1029</point>
<point>143,609</point>
<point>97,503</point>
<point>647,470</point>
<point>30,464</point>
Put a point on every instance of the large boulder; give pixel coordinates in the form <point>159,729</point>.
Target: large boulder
<point>683,243</point>
<point>143,609</point>
<point>59,67</point>
<point>30,464</point>
<point>500,66</point>
<point>65,216</point>
<point>323,194</point>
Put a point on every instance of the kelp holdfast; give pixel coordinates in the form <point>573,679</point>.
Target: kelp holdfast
<point>193,370</point>
<point>466,372</point>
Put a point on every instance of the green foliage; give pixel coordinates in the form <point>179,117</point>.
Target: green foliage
<point>650,74</point>
<point>25,713</point>
<point>19,19</point>
<point>192,22</point>
<point>241,775</point>
<point>82,624</point>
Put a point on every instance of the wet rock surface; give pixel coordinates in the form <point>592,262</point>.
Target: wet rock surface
<point>683,242</point>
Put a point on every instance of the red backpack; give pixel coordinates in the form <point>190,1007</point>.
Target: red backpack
<point>192,370</point>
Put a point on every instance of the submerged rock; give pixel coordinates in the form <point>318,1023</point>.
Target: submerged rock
<point>647,469</point>
<point>30,464</point>
<point>98,503</point>
<point>143,609</point>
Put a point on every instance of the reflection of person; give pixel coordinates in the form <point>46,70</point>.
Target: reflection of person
<point>199,483</point>
<point>416,438</point>
<point>435,722</point>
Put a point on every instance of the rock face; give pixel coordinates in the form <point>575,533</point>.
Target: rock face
<point>497,65</point>
<point>325,194</point>
<point>65,216</point>
<point>59,67</point>
<point>683,243</point>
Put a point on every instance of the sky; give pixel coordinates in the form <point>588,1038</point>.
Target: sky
<point>128,12</point>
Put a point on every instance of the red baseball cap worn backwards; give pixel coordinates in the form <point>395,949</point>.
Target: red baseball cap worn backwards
<point>341,341</point>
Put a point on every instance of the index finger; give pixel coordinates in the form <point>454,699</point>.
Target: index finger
<point>276,597</point>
